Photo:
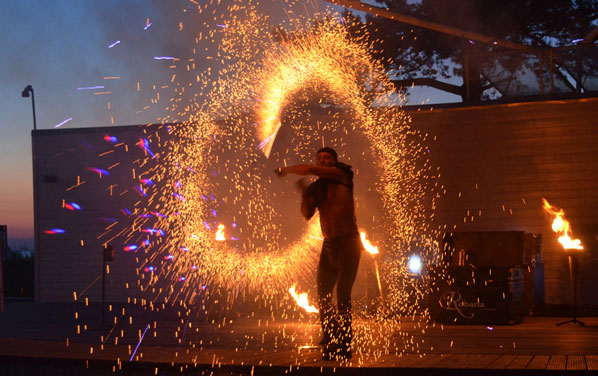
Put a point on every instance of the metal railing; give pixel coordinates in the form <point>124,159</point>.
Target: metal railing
<point>535,72</point>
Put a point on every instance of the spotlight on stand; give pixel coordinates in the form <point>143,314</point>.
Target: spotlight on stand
<point>415,264</point>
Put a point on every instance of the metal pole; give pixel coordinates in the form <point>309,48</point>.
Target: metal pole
<point>541,72</point>
<point>573,284</point>
<point>379,284</point>
<point>103,286</point>
<point>467,79</point>
<point>33,107</point>
<point>579,70</point>
<point>551,73</point>
<point>573,265</point>
<point>36,218</point>
<point>25,93</point>
<point>1,286</point>
<point>3,254</point>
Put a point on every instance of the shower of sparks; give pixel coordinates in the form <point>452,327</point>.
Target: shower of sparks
<point>114,44</point>
<point>211,162</point>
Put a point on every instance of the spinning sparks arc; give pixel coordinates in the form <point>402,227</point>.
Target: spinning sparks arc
<point>206,226</point>
<point>213,170</point>
<point>322,58</point>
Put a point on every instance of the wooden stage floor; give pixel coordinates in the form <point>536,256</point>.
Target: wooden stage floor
<point>36,338</point>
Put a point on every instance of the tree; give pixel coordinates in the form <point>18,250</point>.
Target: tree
<point>427,57</point>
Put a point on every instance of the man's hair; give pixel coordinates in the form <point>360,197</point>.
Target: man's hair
<point>328,150</point>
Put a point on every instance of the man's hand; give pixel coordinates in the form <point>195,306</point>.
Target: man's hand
<point>280,172</point>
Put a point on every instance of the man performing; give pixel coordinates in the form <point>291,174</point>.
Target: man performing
<point>332,195</point>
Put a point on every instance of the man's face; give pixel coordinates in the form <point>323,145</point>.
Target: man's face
<point>325,159</point>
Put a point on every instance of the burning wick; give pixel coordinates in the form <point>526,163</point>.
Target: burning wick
<point>302,301</point>
<point>561,226</point>
<point>373,250</point>
<point>220,233</point>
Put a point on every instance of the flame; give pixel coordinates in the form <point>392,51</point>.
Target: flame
<point>220,233</point>
<point>368,246</point>
<point>301,300</point>
<point>561,226</point>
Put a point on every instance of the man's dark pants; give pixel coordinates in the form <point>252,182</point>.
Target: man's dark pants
<point>338,265</point>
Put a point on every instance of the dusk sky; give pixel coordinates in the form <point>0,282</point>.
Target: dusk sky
<point>63,49</point>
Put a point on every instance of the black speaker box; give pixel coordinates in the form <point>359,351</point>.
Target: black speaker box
<point>475,295</point>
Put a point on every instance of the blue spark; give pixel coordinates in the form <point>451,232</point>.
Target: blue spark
<point>63,122</point>
<point>141,339</point>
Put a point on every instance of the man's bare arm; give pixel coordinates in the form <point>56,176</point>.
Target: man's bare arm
<point>307,169</point>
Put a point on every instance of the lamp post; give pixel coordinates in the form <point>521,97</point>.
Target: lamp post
<point>25,94</point>
<point>107,256</point>
<point>573,268</point>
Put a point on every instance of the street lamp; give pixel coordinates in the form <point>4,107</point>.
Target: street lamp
<point>25,94</point>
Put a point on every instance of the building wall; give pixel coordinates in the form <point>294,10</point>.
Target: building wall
<point>72,261</point>
<point>497,162</point>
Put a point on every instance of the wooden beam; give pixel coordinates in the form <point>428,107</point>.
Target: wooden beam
<point>591,37</point>
<point>381,12</point>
